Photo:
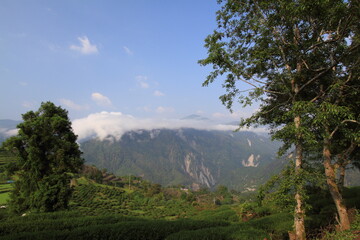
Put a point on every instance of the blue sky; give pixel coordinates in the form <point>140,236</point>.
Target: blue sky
<point>137,57</point>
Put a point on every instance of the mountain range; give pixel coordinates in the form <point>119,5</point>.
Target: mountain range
<point>190,157</point>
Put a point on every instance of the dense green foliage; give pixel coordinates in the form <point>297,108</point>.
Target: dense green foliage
<point>96,199</point>
<point>300,60</point>
<point>100,227</point>
<point>46,154</point>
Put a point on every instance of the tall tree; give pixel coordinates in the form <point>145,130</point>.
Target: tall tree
<point>286,52</point>
<point>335,111</point>
<point>338,122</point>
<point>47,155</point>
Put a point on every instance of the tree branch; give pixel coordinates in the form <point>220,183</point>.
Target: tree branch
<point>337,127</point>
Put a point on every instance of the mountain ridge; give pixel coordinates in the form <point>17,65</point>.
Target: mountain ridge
<point>188,156</point>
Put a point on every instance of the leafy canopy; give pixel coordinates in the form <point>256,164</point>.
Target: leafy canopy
<point>295,57</point>
<point>47,154</point>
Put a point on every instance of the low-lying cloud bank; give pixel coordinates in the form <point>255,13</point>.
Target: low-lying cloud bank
<point>105,124</point>
<point>8,132</point>
<point>115,124</point>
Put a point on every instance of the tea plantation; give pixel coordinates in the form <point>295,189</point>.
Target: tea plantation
<point>110,207</point>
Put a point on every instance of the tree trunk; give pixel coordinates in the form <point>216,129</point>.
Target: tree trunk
<point>299,215</point>
<point>334,189</point>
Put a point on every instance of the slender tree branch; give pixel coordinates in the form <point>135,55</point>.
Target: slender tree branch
<point>257,87</point>
<point>337,127</point>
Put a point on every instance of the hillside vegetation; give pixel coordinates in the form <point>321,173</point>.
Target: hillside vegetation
<point>239,160</point>
<point>104,206</point>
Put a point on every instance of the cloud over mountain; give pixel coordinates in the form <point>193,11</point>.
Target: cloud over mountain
<point>105,124</point>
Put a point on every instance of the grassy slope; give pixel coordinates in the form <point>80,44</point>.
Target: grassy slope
<point>4,193</point>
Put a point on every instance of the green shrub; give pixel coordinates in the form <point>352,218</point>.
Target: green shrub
<point>218,233</point>
<point>99,227</point>
<point>276,225</point>
<point>48,222</point>
<point>345,235</point>
<point>232,232</point>
<point>263,211</point>
<point>353,202</point>
<point>224,213</point>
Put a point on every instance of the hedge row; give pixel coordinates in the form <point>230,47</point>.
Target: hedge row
<point>36,223</point>
<point>122,230</point>
<point>237,231</point>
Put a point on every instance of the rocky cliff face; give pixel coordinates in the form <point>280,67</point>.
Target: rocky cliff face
<point>198,171</point>
<point>187,156</point>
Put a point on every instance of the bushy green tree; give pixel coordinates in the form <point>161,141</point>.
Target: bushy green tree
<point>291,55</point>
<point>47,155</point>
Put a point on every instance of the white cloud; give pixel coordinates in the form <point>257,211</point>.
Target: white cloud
<point>24,84</point>
<point>157,93</point>
<point>105,124</point>
<point>161,109</point>
<point>9,132</point>
<point>128,51</point>
<point>70,104</point>
<point>142,81</point>
<point>85,47</point>
<point>101,100</point>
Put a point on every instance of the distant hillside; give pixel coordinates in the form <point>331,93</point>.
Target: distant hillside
<point>195,117</point>
<point>195,158</point>
<point>240,160</point>
<point>8,124</point>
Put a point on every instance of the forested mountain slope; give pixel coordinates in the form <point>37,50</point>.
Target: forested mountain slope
<point>239,160</point>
